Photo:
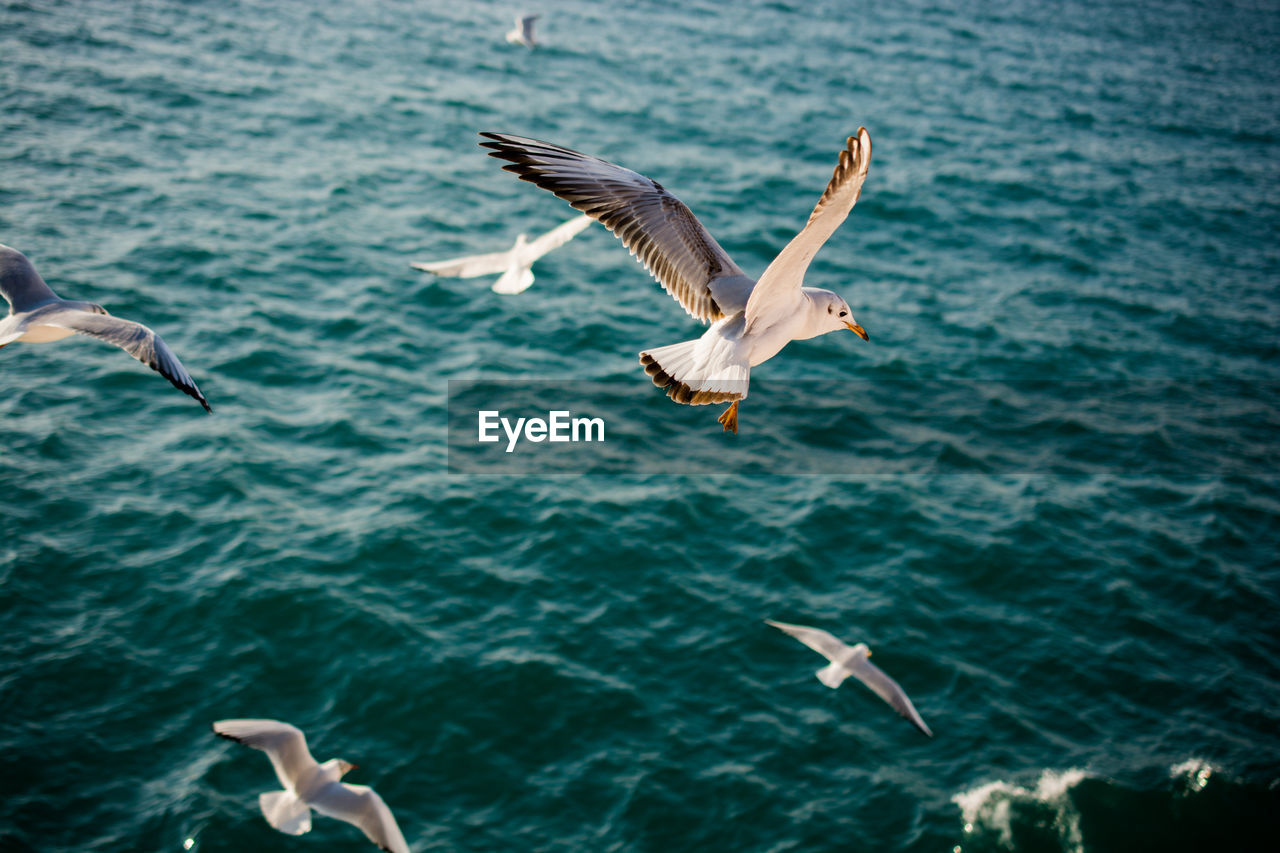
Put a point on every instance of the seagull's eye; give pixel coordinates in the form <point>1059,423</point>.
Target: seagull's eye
<point>842,313</point>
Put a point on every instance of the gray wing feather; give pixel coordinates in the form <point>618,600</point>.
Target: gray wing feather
<point>362,806</point>
<point>285,745</point>
<point>657,227</point>
<point>134,338</point>
<point>815,638</point>
<point>887,689</point>
<point>20,284</point>
<point>526,26</point>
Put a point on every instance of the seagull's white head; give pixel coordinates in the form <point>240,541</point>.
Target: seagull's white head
<point>834,313</point>
<point>336,768</point>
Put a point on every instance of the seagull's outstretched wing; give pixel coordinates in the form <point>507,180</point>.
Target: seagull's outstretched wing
<point>558,236</point>
<point>887,689</point>
<point>655,225</point>
<point>779,285</point>
<point>134,338</point>
<point>362,806</point>
<point>285,745</point>
<point>468,267</point>
<point>526,28</point>
<point>815,638</point>
<point>20,284</point>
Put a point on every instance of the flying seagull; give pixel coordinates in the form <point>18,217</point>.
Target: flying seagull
<point>514,263</point>
<point>523,32</point>
<point>852,660</point>
<point>308,785</point>
<point>751,321</point>
<point>38,315</point>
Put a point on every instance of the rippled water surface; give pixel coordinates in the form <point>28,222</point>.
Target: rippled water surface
<point>1046,494</point>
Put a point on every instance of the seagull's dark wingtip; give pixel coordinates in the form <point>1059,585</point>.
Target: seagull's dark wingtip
<point>194,393</point>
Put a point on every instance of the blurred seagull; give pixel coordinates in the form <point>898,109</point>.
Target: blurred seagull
<point>751,321</point>
<point>852,660</point>
<point>309,785</point>
<point>38,315</point>
<point>523,33</point>
<point>514,263</point>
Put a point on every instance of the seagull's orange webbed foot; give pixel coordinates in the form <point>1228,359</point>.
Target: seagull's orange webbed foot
<point>729,420</point>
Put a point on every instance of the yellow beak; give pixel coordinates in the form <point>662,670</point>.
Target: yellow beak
<point>858,330</point>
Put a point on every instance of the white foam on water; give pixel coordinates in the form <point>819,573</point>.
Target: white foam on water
<point>990,805</point>
<point>1196,772</point>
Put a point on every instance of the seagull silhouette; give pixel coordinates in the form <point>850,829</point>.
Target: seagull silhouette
<point>852,660</point>
<point>38,315</point>
<point>308,785</point>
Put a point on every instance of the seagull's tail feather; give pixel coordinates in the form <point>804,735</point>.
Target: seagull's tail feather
<point>832,675</point>
<point>693,375</point>
<point>286,812</point>
<point>515,280</point>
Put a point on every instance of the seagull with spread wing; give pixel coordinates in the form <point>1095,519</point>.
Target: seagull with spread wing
<point>515,263</point>
<point>751,321</point>
<point>849,660</point>
<point>309,785</point>
<point>523,32</point>
<point>38,315</point>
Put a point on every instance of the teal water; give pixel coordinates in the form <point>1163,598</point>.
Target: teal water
<point>1048,499</point>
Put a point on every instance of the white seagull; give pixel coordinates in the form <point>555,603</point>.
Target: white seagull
<point>514,263</point>
<point>523,33</point>
<point>308,785</point>
<point>852,660</point>
<point>38,315</point>
<point>751,321</point>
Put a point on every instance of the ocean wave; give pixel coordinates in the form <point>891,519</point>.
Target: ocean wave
<point>1196,806</point>
<point>1012,815</point>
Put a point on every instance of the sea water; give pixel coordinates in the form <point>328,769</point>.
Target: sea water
<point>1046,494</point>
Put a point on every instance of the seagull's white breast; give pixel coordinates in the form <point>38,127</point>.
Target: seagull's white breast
<point>45,334</point>
<point>767,342</point>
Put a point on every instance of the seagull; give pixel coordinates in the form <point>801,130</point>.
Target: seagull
<point>751,321</point>
<point>523,33</point>
<point>308,785</point>
<point>852,660</point>
<point>38,315</point>
<point>514,263</point>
